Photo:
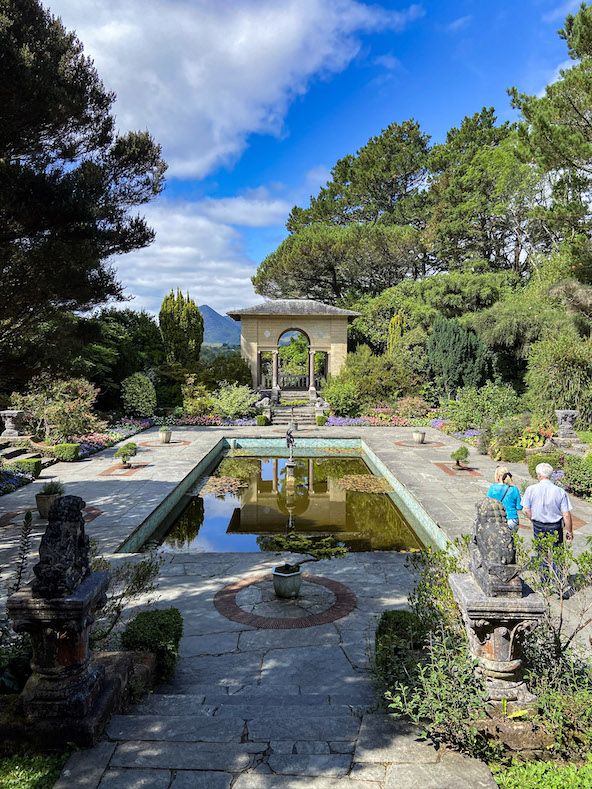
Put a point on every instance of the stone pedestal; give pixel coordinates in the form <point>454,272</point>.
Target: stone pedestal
<point>64,682</point>
<point>12,423</point>
<point>496,627</point>
<point>565,424</point>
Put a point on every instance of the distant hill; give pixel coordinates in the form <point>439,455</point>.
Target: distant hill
<point>219,328</point>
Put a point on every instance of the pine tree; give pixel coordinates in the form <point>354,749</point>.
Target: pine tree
<point>182,329</point>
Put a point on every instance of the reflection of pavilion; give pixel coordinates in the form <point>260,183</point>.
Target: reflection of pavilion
<point>319,508</point>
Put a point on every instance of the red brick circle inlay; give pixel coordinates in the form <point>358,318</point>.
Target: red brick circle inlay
<point>170,444</point>
<point>432,444</point>
<point>225,603</point>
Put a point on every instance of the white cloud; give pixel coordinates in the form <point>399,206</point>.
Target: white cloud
<point>203,76</point>
<point>253,209</point>
<point>457,24</point>
<point>559,13</point>
<point>554,75</point>
<point>388,61</point>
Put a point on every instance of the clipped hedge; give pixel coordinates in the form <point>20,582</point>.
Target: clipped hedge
<point>512,454</point>
<point>26,465</point>
<point>66,452</point>
<point>262,420</point>
<point>158,632</point>
<point>533,461</point>
<point>321,420</point>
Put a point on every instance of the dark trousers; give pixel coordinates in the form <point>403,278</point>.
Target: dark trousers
<point>549,528</point>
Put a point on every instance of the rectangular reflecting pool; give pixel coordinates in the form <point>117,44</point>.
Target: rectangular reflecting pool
<point>248,498</point>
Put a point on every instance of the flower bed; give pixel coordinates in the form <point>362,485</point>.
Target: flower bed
<point>11,480</point>
<point>385,420</point>
<point>94,442</point>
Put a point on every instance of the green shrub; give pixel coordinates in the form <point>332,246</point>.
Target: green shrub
<point>533,461</point>
<point>396,631</point>
<point>577,476</point>
<point>66,452</point>
<point>138,395</point>
<point>512,454</point>
<point>262,420</point>
<point>473,406</point>
<point>27,466</point>
<point>460,455</point>
<point>59,410</point>
<point>52,488</point>
<point>233,401</point>
<point>158,632</point>
<point>412,407</point>
<point>127,452</point>
<point>343,397</point>
<point>196,398</point>
<point>321,420</point>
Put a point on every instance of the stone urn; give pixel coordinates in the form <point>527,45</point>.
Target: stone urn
<point>165,435</point>
<point>287,585</point>
<point>12,423</point>
<point>44,502</point>
<point>565,421</point>
<point>419,436</point>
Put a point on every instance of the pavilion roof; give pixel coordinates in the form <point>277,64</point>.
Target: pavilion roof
<point>292,307</point>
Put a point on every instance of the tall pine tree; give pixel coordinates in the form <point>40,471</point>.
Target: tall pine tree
<point>182,329</point>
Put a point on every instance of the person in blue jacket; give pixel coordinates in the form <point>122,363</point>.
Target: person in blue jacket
<point>508,494</point>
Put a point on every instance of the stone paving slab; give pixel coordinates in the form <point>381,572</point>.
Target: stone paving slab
<point>233,757</point>
<point>136,779</point>
<point>175,728</point>
<point>201,780</point>
<point>438,776</point>
<point>383,739</point>
<point>329,765</point>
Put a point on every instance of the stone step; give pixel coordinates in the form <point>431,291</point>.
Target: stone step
<point>245,707</point>
<point>11,452</point>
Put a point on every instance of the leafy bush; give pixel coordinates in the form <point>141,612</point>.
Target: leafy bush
<point>536,434</point>
<point>533,460</point>
<point>577,476</point>
<point>158,632</point>
<point>68,453</point>
<point>321,420</point>
<point>262,420</point>
<point>343,397</point>
<point>138,395</point>
<point>559,375</point>
<point>234,401</point>
<point>27,466</point>
<point>412,407</point>
<point>396,631</point>
<point>512,454</point>
<point>59,409</point>
<point>196,398</point>
<point>473,406</point>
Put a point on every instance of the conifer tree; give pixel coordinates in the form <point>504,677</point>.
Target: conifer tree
<point>457,356</point>
<point>182,328</point>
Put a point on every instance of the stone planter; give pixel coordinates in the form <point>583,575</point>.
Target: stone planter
<point>419,436</point>
<point>12,423</point>
<point>565,420</point>
<point>287,585</point>
<point>165,436</point>
<point>44,502</point>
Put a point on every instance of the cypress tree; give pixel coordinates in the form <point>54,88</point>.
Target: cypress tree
<point>182,329</point>
<point>456,355</point>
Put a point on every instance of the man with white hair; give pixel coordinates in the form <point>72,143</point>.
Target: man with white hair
<point>548,506</point>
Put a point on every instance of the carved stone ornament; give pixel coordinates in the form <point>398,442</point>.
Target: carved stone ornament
<point>63,553</point>
<point>12,423</point>
<point>492,552</point>
<point>565,423</point>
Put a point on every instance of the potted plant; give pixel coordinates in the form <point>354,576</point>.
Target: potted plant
<point>126,452</point>
<point>164,434</point>
<point>460,455</point>
<point>287,578</point>
<point>50,492</point>
<point>419,436</point>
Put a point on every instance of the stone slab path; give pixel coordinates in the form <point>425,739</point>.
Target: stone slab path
<point>260,708</point>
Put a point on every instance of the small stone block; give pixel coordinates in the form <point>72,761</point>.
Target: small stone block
<point>329,765</point>
<point>312,747</point>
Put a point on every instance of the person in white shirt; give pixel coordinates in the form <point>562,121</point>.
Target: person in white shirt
<point>548,506</point>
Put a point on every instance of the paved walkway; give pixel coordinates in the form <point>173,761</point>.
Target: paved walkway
<point>266,708</point>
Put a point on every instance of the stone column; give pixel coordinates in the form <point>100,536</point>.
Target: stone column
<point>312,392</point>
<point>274,479</point>
<point>275,388</point>
<point>311,475</point>
<point>258,369</point>
<point>12,423</point>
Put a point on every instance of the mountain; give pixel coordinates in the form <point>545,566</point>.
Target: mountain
<point>219,328</point>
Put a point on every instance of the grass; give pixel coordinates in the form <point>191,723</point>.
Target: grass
<point>585,436</point>
<point>544,775</point>
<point>31,771</point>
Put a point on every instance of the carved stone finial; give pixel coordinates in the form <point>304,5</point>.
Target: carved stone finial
<point>63,554</point>
<point>493,555</point>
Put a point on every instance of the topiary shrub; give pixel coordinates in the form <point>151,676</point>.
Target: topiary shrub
<point>66,452</point>
<point>27,466</point>
<point>262,420</point>
<point>460,455</point>
<point>533,461</point>
<point>158,632</point>
<point>512,454</point>
<point>138,395</point>
<point>321,420</point>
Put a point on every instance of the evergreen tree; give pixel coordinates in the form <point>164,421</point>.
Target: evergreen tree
<point>182,329</point>
<point>457,356</point>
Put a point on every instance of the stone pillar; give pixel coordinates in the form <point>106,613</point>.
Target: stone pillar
<point>258,369</point>
<point>12,423</point>
<point>311,475</point>
<point>274,478</point>
<point>275,387</point>
<point>312,392</point>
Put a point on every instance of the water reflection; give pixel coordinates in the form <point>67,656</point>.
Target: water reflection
<point>312,503</point>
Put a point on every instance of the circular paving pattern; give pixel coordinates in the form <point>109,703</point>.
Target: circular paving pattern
<point>170,444</point>
<point>252,601</point>
<point>432,444</point>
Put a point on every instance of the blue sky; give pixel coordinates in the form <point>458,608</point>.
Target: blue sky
<point>253,102</point>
